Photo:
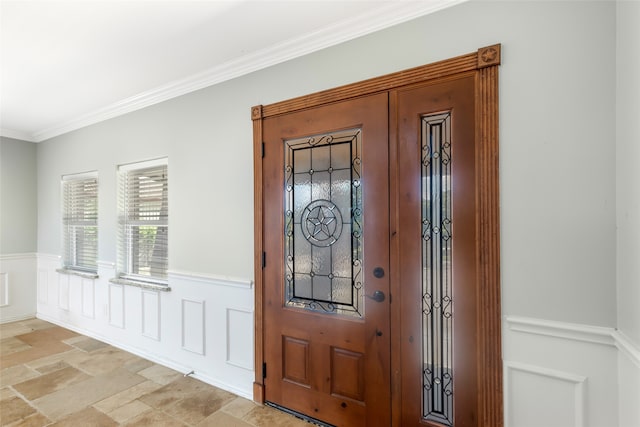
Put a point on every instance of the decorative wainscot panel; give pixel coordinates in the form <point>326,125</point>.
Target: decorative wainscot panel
<point>17,287</point>
<point>193,326</point>
<point>198,324</point>
<point>550,387</point>
<point>4,289</point>
<point>560,374</point>
<point>239,328</point>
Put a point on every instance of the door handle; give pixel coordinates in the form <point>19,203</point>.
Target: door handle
<point>378,296</point>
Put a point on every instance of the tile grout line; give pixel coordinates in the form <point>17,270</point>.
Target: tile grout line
<point>31,404</point>
<point>184,395</point>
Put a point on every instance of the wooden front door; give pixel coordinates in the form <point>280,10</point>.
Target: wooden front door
<point>326,231</point>
<point>377,246</point>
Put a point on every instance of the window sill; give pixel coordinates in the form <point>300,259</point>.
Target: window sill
<point>140,284</point>
<point>83,274</point>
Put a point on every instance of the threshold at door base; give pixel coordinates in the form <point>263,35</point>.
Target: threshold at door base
<point>299,415</point>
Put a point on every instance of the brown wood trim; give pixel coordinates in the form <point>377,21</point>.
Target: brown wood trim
<point>419,74</point>
<point>490,403</point>
<point>489,56</point>
<point>258,385</point>
<point>394,252</point>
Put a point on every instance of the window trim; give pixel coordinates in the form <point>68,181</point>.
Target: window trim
<point>125,277</point>
<point>67,266</point>
<point>80,273</point>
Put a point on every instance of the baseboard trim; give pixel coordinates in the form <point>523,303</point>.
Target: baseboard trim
<point>18,318</point>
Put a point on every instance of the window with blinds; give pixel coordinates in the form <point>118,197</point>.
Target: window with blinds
<point>80,222</point>
<point>143,221</point>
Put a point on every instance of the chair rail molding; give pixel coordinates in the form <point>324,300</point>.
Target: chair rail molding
<point>211,279</point>
<point>18,256</point>
<point>627,347</point>
<point>551,328</point>
<point>577,332</point>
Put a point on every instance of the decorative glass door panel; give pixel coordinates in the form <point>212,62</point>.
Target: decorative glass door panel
<point>437,262</point>
<point>323,223</point>
<point>437,304</point>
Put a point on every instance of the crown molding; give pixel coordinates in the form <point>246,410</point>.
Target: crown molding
<point>392,14</point>
<point>16,134</point>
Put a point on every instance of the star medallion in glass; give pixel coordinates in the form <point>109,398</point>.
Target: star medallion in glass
<point>323,223</point>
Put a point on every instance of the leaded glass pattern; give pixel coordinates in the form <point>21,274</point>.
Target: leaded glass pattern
<point>437,302</point>
<point>323,223</point>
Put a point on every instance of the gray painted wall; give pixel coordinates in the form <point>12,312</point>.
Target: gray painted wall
<point>18,200</point>
<point>558,150</point>
<point>628,168</point>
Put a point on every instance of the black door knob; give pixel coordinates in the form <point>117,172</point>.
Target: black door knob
<point>378,296</point>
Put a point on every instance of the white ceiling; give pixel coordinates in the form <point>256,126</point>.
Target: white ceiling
<point>68,64</point>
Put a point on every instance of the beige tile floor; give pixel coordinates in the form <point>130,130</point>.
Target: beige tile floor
<point>51,376</point>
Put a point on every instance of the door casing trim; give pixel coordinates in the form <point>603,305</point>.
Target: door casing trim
<point>484,63</point>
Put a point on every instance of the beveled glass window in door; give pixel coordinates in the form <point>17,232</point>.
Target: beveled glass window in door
<point>437,303</point>
<point>323,223</point>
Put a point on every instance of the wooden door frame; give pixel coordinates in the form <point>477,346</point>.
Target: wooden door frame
<point>484,63</point>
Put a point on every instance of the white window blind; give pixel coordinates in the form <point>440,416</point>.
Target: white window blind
<point>80,222</point>
<point>144,221</point>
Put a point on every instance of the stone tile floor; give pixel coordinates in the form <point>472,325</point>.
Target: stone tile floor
<point>51,376</point>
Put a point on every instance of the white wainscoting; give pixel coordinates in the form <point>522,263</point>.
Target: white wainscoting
<point>555,373</point>
<point>550,387</point>
<point>628,381</point>
<point>17,287</point>
<point>4,289</point>
<point>240,324</point>
<point>64,283</point>
<point>204,324</point>
<point>43,286</point>
<point>566,375</point>
<point>88,298</point>
<point>115,305</point>
<point>150,313</point>
<point>193,326</point>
